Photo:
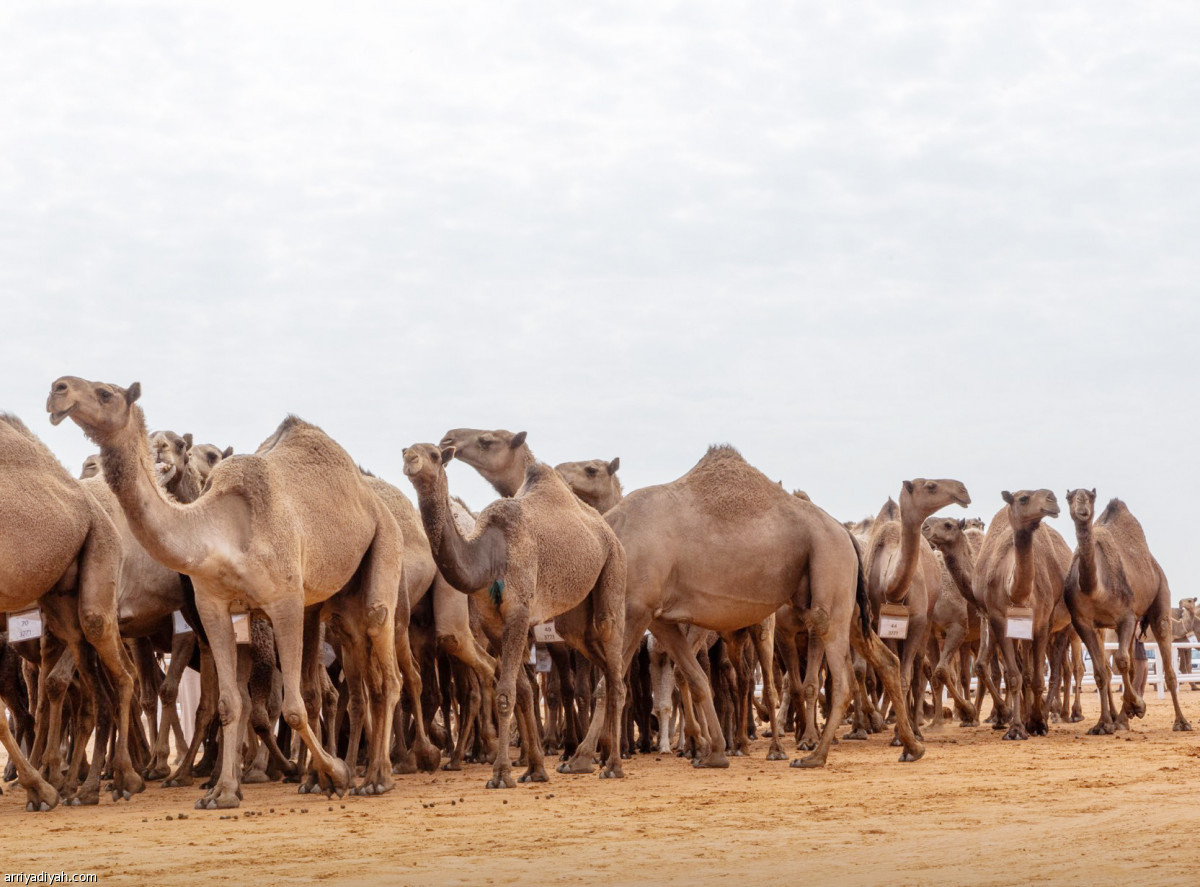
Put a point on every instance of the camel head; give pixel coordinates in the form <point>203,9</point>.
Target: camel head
<point>974,523</point>
<point>594,481</point>
<point>1082,504</point>
<point>92,467</point>
<point>1026,508</point>
<point>171,454</point>
<point>492,453</point>
<point>923,496</point>
<point>426,462</point>
<point>100,409</point>
<point>943,533</point>
<point>206,456</point>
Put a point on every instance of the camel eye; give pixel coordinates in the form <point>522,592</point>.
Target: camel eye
<point>484,444</point>
<point>105,395</point>
<point>591,472</point>
<point>1024,500</point>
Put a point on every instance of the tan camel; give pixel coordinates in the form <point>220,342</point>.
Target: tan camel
<point>954,625</point>
<point>1115,582</point>
<point>959,542</point>
<point>59,550</point>
<point>1023,564</point>
<point>723,548</point>
<point>594,481</point>
<point>901,568</point>
<point>176,471</point>
<point>263,537</point>
<point>531,558</point>
<point>205,457</point>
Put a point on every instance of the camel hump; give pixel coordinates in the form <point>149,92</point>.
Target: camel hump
<point>29,449</point>
<point>291,427</point>
<point>17,425</point>
<point>1113,511</point>
<point>889,512</point>
<point>726,486</point>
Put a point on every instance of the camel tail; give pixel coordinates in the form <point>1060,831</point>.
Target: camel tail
<point>190,614</point>
<point>860,593</point>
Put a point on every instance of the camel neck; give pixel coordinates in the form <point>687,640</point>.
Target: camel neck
<point>1086,546</point>
<point>960,564</point>
<point>910,550</point>
<point>1022,587</point>
<point>454,555</point>
<point>508,482</point>
<point>167,531</point>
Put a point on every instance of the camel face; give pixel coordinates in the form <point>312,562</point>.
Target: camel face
<point>425,461</point>
<point>205,457</point>
<point>942,532</point>
<point>99,408</point>
<point>170,453</point>
<point>930,495</point>
<point>592,481</point>
<point>91,467</point>
<point>974,523</point>
<point>1027,507</point>
<point>1082,504</point>
<point>487,451</point>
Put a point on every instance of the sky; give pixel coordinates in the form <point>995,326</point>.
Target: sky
<point>861,242</point>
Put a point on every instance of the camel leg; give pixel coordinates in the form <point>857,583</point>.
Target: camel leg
<point>911,680</point>
<point>1132,702</point>
<point>531,733</point>
<point>218,626</point>
<point>985,671</point>
<point>1037,722</point>
<point>679,649</point>
<point>763,636</point>
<point>837,654</point>
<point>40,795</point>
<point>428,755</point>
<point>57,670</point>
<point>259,687</point>
<point>662,679</point>
<point>608,621</point>
<point>182,646</point>
<point>887,667</point>
<point>513,648</point>
<point>811,738</point>
<point>955,635</point>
<point>206,711</point>
<point>1162,634</point>
<point>1012,679</point>
<point>1077,672</point>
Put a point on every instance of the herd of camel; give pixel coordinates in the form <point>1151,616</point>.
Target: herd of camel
<point>312,596</point>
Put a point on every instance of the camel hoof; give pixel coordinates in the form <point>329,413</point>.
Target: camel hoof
<point>428,758</point>
<point>576,765</point>
<point>1101,729</point>
<point>895,743</point>
<point>1076,717</point>
<point>1182,727</point>
<point>715,761</point>
<point>808,762</point>
<point>255,777</point>
<point>452,766</point>
<point>806,745</point>
<point>156,773</point>
<point>614,772</point>
<point>85,798</point>
<point>304,788</point>
<point>776,754</point>
<point>911,756</point>
<point>534,776</point>
<point>856,735</point>
<point>501,781</point>
<point>1038,728</point>
<point>178,782</point>
<point>1016,733</point>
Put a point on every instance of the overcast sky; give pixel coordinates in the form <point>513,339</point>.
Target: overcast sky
<point>861,242</point>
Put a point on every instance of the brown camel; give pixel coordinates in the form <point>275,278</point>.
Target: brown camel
<point>264,537</point>
<point>531,558</point>
<point>59,550</point>
<point>901,569</point>
<point>1115,582</point>
<point>1023,564</point>
<point>723,548</point>
<point>594,481</point>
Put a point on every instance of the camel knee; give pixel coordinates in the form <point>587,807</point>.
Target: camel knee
<point>504,705</point>
<point>93,625</point>
<point>229,708</point>
<point>1122,662</point>
<point>450,645</point>
<point>56,686</point>
<point>377,617</point>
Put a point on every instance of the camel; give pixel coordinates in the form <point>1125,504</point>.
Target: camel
<point>59,550</point>
<point>1023,563</point>
<point>901,568</point>
<point>959,541</point>
<point>594,481</point>
<point>954,625</point>
<point>723,548</point>
<point>531,558</point>
<point>178,474</point>
<point>205,457</point>
<point>264,537</point>
<point>1115,582</point>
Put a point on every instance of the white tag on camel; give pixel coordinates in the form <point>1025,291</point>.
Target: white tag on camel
<point>893,622</point>
<point>543,659</point>
<point>179,623</point>
<point>546,633</point>
<point>532,656</point>
<point>25,625</point>
<point>1019,624</point>
<point>241,628</point>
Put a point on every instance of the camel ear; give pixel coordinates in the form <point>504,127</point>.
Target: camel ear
<point>908,486</point>
<point>1007,496</point>
<point>1093,492</point>
<point>448,454</point>
<point>227,452</point>
<point>187,439</point>
<point>133,392</point>
<point>518,439</point>
<point>614,465</point>
<point>962,523</point>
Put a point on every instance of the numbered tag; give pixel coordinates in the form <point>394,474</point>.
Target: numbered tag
<point>1019,624</point>
<point>179,623</point>
<point>546,633</point>
<point>543,659</point>
<point>893,622</point>
<point>241,628</point>
<point>25,625</point>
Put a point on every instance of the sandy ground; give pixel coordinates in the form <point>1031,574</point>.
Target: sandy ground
<point>1067,809</point>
